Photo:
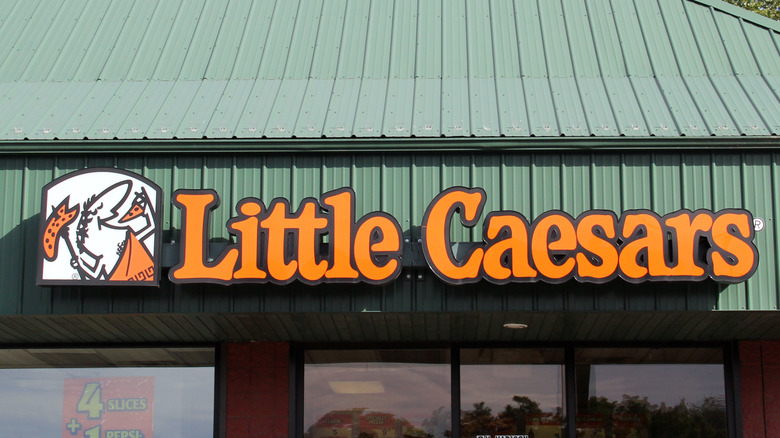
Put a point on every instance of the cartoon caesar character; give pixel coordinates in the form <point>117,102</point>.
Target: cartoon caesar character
<point>107,245</point>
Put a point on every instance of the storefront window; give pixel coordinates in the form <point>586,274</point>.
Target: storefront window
<point>650,393</point>
<point>377,393</point>
<point>515,392</point>
<point>511,392</point>
<point>109,392</point>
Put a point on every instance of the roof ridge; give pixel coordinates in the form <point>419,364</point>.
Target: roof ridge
<point>742,13</point>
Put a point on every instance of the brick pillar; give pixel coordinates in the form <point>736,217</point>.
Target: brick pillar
<point>770,355</point>
<point>257,390</point>
<point>759,369</point>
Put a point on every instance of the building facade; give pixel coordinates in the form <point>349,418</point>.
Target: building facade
<point>389,219</point>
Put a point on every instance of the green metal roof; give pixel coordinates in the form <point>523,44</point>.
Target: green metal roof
<point>166,69</point>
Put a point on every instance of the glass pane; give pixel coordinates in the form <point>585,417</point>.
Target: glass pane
<point>650,393</point>
<point>512,392</point>
<point>166,400</point>
<point>377,393</point>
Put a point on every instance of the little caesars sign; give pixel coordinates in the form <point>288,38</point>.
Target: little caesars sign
<point>278,244</point>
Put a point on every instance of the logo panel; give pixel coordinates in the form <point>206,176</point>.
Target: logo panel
<point>100,226</point>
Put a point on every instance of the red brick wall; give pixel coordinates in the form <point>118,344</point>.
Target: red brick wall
<point>257,390</point>
<point>759,367</point>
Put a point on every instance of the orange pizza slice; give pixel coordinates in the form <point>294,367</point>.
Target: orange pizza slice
<point>59,218</point>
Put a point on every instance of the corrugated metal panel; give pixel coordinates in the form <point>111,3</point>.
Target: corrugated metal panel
<point>252,120</point>
<point>513,115</point>
<point>606,42</point>
<point>168,120</point>
<point>654,107</point>
<point>127,43</point>
<point>758,194</point>
<point>12,239</point>
<point>427,101</point>
<point>107,123</point>
<point>403,185</point>
<point>455,120</point>
<point>199,114</point>
<point>138,123</point>
<point>27,38</point>
<point>150,41</point>
<point>541,109</point>
<point>398,112</point>
<point>33,299</point>
<point>285,109</point>
<point>399,68</point>
<point>370,108</point>
<point>209,19</point>
<point>232,103</point>
<point>43,113</point>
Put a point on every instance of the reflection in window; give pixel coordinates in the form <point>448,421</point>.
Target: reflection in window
<point>377,393</point>
<point>89,392</point>
<point>650,393</point>
<point>511,392</point>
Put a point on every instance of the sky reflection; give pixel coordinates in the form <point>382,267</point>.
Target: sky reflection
<point>411,391</point>
<point>32,401</point>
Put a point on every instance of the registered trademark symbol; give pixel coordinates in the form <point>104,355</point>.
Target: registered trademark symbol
<point>758,224</point>
<point>74,276</point>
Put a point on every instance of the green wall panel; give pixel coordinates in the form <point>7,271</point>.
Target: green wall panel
<point>11,230</point>
<point>576,184</point>
<point>486,173</point>
<point>758,195</point>
<point>403,185</point>
<point>365,168</point>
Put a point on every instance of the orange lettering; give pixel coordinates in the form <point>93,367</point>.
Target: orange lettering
<point>276,245</point>
<point>734,257</point>
<point>248,230</point>
<point>596,235</point>
<point>553,242</point>
<point>506,252</point>
<point>342,206</point>
<point>276,223</point>
<point>308,242</point>
<point>301,230</point>
<point>437,247</point>
<point>642,252</point>
<point>687,230</point>
<point>378,235</point>
<point>196,205</point>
